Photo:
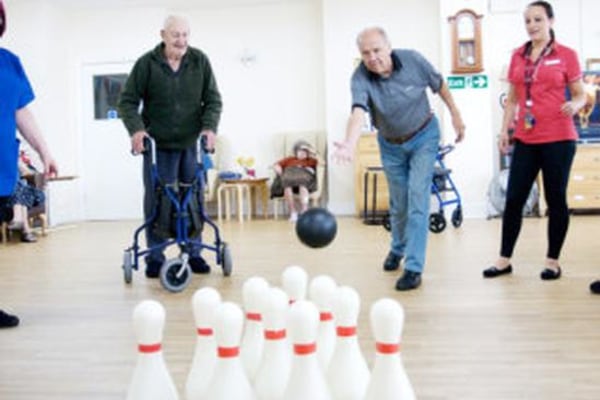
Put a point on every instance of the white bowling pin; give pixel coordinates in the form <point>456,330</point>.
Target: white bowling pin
<point>306,377</point>
<point>347,373</point>
<point>204,304</point>
<point>389,380</point>
<point>274,370</point>
<point>321,291</point>
<point>151,379</point>
<point>229,380</point>
<point>294,280</point>
<point>254,291</point>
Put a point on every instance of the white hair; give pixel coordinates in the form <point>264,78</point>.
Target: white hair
<point>377,29</point>
<point>172,20</point>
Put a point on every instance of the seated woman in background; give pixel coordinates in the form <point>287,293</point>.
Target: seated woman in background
<point>298,175</point>
<point>25,197</point>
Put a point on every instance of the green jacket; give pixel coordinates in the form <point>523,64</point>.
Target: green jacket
<point>176,106</point>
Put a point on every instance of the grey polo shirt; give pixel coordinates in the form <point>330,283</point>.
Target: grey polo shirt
<point>398,104</point>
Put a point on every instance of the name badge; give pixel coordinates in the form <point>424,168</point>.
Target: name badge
<point>552,62</point>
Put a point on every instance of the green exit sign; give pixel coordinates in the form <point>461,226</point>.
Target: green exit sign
<point>472,82</point>
<point>456,82</point>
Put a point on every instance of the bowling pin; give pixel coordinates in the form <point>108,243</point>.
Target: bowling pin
<point>307,380</point>
<point>204,304</point>
<point>229,380</point>
<point>294,280</point>
<point>254,291</point>
<point>321,291</point>
<point>389,380</point>
<point>347,373</point>
<point>274,370</point>
<point>151,379</point>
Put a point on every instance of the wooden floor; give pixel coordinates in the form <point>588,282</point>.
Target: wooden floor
<point>465,337</point>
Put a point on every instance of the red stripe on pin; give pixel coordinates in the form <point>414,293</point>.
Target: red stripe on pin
<point>205,331</point>
<point>326,316</point>
<point>346,330</point>
<point>387,348</point>
<point>253,316</point>
<point>149,348</point>
<point>228,352</point>
<point>304,349</point>
<point>275,335</point>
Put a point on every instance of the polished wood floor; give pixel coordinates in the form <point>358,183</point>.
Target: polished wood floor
<point>465,337</point>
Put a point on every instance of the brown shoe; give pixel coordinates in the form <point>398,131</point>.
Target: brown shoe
<point>28,237</point>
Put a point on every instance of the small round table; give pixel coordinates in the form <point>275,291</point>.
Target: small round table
<point>245,187</point>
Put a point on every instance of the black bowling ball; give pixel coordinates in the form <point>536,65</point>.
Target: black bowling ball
<point>316,227</point>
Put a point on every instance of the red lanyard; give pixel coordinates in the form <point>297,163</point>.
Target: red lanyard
<point>531,70</point>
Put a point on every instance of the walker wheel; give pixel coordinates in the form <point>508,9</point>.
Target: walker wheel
<point>457,217</point>
<point>437,222</point>
<point>174,275</point>
<point>127,266</point>
<point>226,261</point>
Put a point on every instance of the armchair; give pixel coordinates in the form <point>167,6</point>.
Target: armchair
<point>318,141</point>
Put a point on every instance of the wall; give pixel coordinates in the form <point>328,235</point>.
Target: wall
<point>301,55</point>
<point>279,89</point>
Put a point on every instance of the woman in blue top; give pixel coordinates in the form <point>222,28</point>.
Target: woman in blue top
<point>15,114</point>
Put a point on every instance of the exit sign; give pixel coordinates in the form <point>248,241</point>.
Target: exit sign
<point>472,82</point>
<point>456,82</point>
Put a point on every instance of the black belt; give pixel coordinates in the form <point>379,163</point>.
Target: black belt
<point>406,138</point>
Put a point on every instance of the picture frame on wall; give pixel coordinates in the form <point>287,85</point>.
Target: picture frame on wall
<point>592,64</point>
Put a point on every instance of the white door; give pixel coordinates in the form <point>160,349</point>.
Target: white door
<point>111,176</point>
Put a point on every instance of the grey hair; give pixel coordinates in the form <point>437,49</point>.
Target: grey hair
<point>174,19</point>
<point>377,29</point>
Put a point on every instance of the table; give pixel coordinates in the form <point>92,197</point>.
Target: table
<point>253,188</point>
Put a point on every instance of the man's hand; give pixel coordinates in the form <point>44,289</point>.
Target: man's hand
<point>211,139</point>
<point>343,153</point>
<point>459,128</point>
<point>137,142</point>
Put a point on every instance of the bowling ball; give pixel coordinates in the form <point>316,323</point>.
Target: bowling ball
<point>316,227</point>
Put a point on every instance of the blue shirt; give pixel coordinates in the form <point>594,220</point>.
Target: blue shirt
<point>398,104</point>
<point>15,93</point>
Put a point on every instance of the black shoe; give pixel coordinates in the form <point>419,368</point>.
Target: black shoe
<point>199,266</point>
<point>409,280</point>
<point>595,287</point>
<point>493,271</point>
<point>153,268</point>
<point>7,320</point>
<point>549,274</point>
<point>392,262</point>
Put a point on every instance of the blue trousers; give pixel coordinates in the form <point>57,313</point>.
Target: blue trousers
<point>409,168</point>
<point>172,166</point>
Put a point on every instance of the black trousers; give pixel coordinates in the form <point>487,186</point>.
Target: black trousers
<point>554,160</point>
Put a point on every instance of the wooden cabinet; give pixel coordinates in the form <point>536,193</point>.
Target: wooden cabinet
<point>367,155</point>
<point>584,183</point>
